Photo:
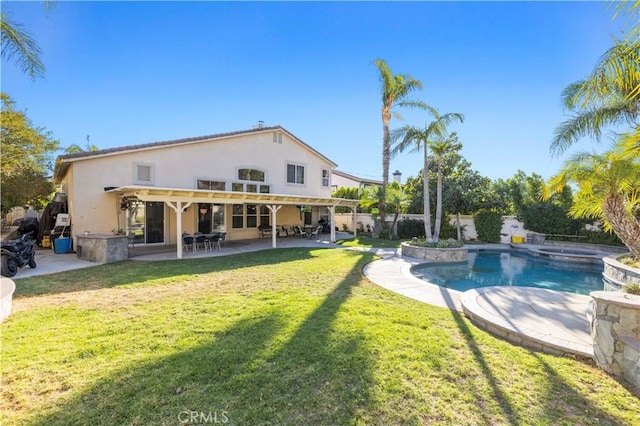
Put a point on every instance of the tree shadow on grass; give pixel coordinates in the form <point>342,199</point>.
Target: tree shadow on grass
<point>572,401</point>
<point>130,272</point>
<point>562,398</point>
<point>248,374</point>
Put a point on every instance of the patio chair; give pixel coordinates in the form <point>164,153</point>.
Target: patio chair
<point>300,232</point>
<point>214,241</point>
<point>202,241</point>
<point>315,232</point>
<point>265,230</point>
<point>188,241</point>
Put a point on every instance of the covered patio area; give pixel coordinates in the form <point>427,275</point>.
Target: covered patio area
<point>178,200</point>
<point>168,252</point>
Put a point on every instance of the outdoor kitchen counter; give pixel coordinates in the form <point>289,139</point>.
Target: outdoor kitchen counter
<point>102,248</point>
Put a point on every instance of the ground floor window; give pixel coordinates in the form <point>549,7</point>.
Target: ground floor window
<point>237,216</point>
<point>249,216</point>
<point>252,216</point>
<point>264,216</point>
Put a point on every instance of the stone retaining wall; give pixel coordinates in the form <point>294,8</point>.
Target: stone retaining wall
<point>434,254</point>
<point>615,329</point>
<point>619,273</point>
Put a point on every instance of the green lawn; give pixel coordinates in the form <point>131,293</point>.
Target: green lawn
<point>368,242</point>
<point>291,336</point>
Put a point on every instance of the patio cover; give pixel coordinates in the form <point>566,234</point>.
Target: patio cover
<point>181,198</point>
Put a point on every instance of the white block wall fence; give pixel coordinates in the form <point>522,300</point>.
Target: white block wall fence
<point>511,227</point>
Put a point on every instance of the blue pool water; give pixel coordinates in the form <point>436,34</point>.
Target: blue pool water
<point>513,269</point>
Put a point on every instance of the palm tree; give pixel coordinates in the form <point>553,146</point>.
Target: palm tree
<point>416,139</point>
<point>608,189</point>
<point>18,45</point>
<point>395,88</point>
<point>75,148</point>
<point>632,36</point>
<point>440,148</point>
<point>396,200</point>
<point>610,96</point>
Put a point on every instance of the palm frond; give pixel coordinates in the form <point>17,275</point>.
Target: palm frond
<point>609,95</point>
<point>589,122</point>
<point>631,142</point>
<point>571,95</point>
<point>415,104</point>
<point>386,77</point>
<point>407,137</point>
<point>18,45</point>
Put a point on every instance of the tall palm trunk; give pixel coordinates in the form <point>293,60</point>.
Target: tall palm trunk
<point>436,230</point>
<point>386,159</point>
<point>396,214</point>
<point>625,226</point>
<point>427,201</point>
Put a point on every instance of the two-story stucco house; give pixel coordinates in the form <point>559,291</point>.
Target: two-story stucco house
<point>235,182</point>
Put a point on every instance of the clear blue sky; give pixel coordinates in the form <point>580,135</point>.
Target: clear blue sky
<point>136,72</point>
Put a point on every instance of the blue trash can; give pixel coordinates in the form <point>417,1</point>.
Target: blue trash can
<point>61,245</point>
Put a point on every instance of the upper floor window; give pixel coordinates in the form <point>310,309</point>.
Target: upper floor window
<point>143,173</point>
<point>211,185</point>
<point>249,187</point>
<point>295,174</point>
<point>325,177</point>
<point>251,174</point>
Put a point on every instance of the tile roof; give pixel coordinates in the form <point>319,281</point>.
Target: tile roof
<point>63,160</point>
<point>99,152</point>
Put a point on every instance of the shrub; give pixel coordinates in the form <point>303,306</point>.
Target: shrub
<point>449,230</point>
<point>629,261</point>
<point>409,228</point>
<point>384,234</point>
<point>633,288</point>
<point>547,218</point>
<point>488,225</point>
<point>439,244</point>
<point>600,237</point>
<point>591,237</point>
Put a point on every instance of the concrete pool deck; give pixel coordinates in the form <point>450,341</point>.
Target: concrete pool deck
<point>545,320</point>
<point>554,322</point>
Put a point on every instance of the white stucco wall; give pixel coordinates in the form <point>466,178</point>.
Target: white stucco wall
<point>181,166</point>
<point>510,226</point>
<point>339,181</point>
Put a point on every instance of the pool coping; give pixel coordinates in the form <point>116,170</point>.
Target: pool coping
<point>554,336</point>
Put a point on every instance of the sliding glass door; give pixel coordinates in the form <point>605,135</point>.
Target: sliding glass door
<point>210,218</point>
<point>145,221</point>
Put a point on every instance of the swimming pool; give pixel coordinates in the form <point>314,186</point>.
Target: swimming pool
<point>493,268</point>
